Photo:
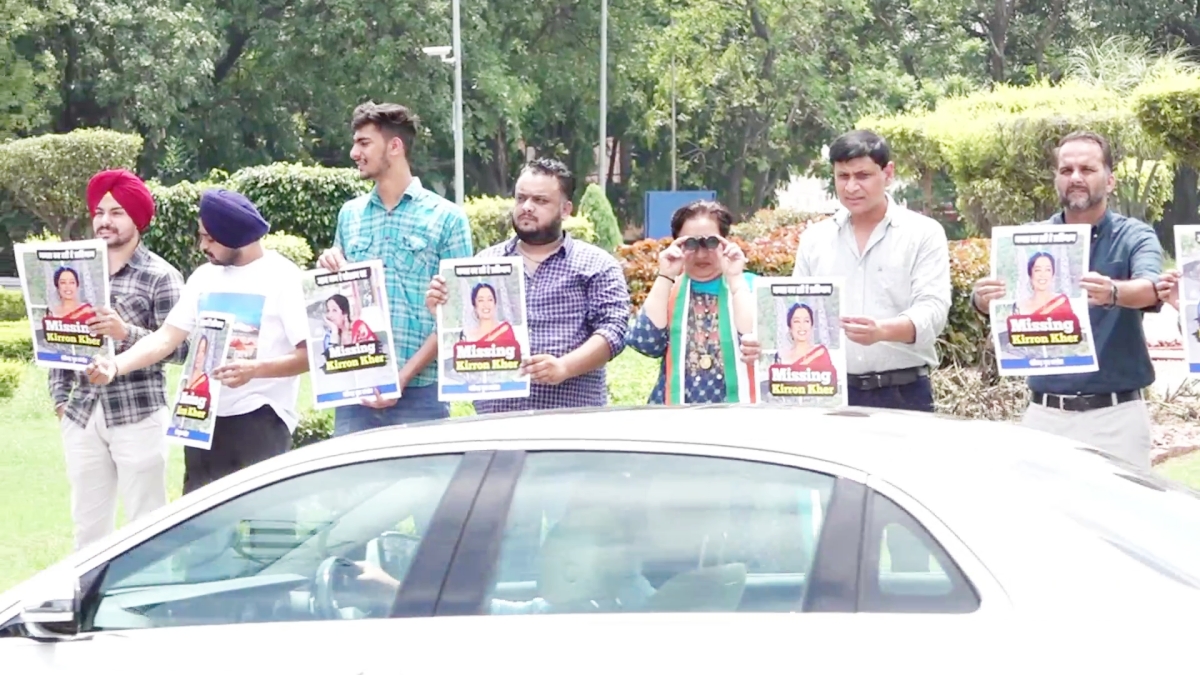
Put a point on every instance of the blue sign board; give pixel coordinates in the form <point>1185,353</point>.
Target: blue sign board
<point>661,205</point>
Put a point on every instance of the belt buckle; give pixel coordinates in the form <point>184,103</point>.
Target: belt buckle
<point>877,378</point>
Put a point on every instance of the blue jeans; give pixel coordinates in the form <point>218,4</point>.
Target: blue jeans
<point>417,404</point>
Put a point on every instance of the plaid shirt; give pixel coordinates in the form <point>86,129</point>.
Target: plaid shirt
<point>411,240</point>
<point>142,293</point>
<point>576,293</point>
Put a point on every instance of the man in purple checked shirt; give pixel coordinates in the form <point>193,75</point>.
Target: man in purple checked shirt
<point>577,303</point>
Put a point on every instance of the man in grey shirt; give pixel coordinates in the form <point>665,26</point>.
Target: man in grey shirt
<point>896,266</point>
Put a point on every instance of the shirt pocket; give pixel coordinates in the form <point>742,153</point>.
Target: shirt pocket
<point>895,282</point>
<point>358,247</point>
<point>136,309</point>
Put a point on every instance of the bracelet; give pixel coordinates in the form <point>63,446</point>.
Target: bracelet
<point>1114,296</point>
<point>663,276</point>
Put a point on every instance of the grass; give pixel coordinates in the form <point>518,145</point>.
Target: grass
<point>35,528</point>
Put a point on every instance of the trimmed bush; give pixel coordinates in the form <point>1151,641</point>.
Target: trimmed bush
<point>47,175</point>
<point>16,341</point>
<point>491,224</point>
<point>765,221</point>
<point>314,426</point>
<point>596,208</point>
<point>172,235</point>
<point>12,305</point>
<point>10,377</point>
<point>291,247</point>
<point>1168,108</point>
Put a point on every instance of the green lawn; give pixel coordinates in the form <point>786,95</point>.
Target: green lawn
<point>35,528</point>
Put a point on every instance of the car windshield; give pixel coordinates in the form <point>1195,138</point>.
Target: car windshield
<point>1150,518</point>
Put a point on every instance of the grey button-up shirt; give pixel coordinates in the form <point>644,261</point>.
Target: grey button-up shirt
<point>903,271</point>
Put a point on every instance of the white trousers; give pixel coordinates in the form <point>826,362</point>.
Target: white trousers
<point>1122,430</point>
<point>102,461</point>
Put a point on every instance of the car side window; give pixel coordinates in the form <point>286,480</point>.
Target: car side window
<point>905,569</point>
<point>289,551</point>
<point>639,532</point>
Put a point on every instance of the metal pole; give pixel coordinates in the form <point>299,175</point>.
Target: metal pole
<point>673,118</point>
<point>602,171</point>
<point>458,108</point>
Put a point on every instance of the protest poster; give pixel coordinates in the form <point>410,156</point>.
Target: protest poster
<point>1187,256</point>
<point>63,284</point>
<point>482,333</point>
<point>194,412</point>
<point>1041,325</point>
<point>803,354</point>
<point>350,350</point>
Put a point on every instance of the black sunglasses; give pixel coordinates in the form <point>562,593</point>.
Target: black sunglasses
<point>696,243</point>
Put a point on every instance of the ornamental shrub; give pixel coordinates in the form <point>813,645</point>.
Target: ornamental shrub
<point>16,341</point>
<point>290,246</point>
<point>596,208</point>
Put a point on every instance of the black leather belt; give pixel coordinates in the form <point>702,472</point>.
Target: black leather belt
<point>1084,402</point>
<point>888,378</point>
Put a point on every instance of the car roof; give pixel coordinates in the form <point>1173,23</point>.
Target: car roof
<point>873,440</point>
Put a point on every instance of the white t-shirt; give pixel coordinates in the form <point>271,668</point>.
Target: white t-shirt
<point>267,298</point>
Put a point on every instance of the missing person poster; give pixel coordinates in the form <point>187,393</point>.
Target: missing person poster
<point>482,334</point>
<point>1187,256</point>
<point>63,284</point>
<point>350,351</point>
<point>194,412</point>
<point>803,357</point>
<point>1041,325</point>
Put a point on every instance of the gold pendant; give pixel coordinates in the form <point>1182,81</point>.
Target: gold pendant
<point>706,361</point>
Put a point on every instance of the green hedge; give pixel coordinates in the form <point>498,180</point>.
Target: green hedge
<point>300,200</point>
<point>595,207</point>
<point>10,377</point>
<point>12,305</point>
<point>16,341</point>
<point>314,426</point>
<point>1168,108</point>
<point>290,246</point>
<point>491,223</point>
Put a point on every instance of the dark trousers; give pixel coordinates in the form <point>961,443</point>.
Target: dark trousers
<point>238,441</point>
<point>914,396</point>
<point>906,551</point>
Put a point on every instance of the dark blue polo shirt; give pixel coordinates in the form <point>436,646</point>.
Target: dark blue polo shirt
<point>1122,248</point>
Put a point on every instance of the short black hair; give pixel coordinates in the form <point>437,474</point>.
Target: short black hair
<point>1091,136</point>
<point>702,207</point>
<point>392,119</point>
<point>545,166</point>
<point>860,143</point>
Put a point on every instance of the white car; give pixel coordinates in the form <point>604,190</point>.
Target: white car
<point>865,535</point>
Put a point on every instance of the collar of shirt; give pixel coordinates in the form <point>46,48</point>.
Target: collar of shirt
<point>1100,229</point>
<point>510,247</point>
<point>415,191</point>
<point>842,215</point>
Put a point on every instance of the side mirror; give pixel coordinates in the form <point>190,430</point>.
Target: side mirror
<point>52,610</point>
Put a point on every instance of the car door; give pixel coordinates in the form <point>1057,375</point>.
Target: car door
<point>263,569</point>
<point>607,527</point>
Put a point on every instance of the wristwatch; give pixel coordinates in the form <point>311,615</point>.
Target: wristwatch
<point>1113,302</point>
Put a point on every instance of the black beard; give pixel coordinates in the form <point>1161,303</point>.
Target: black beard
<point>549,234</point>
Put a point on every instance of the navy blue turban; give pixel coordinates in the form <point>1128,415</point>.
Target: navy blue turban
<point>231,219</point>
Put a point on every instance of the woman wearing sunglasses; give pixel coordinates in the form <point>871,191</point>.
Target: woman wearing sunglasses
<point>700,304</point>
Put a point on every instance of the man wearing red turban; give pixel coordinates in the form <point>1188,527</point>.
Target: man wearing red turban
<point>114,436</point>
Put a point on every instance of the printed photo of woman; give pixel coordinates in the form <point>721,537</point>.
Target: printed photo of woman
<point>803,354</point>
<point>70,307</point>
<point>340,328</point>
<point>488,328</point>
<point>197,382</point>
<point>1044,301</point>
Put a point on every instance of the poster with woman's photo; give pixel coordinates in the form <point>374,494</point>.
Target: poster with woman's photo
<point>350,351</point>
<point>803,357</point>
<point>1041,325</point>
<point>1187,255</point>
<point>194,411</point>
<point>482,334</point>
<point>64,283</point>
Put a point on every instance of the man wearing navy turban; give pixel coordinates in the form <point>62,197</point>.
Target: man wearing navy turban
<point>114,437</point>
<point>259,375</point>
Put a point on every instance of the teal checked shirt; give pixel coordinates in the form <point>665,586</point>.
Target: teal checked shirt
<point>411,240</point>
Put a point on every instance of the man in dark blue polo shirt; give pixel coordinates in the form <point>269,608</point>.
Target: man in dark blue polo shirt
<point>1105,408</point>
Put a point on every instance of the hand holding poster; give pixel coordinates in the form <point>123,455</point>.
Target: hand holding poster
<point>194,413</point>
<point>350,351</point>
<point>1187,255</point>
<point>482,334</point>
<point>1041,326</point>
<point>64,283</point>
<point>803,358</point>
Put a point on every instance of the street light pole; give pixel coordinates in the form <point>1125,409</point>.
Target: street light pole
<point>602,170</point>
<point>458,106</point>
<point>674,117</point>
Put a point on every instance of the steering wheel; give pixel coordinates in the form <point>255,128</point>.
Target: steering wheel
<point>332,576</point>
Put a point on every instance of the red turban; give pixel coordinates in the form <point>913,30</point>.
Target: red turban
<point>129,191</point>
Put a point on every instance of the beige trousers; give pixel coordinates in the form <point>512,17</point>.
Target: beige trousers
<point>1122,430</point>
<point>103,461</point>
